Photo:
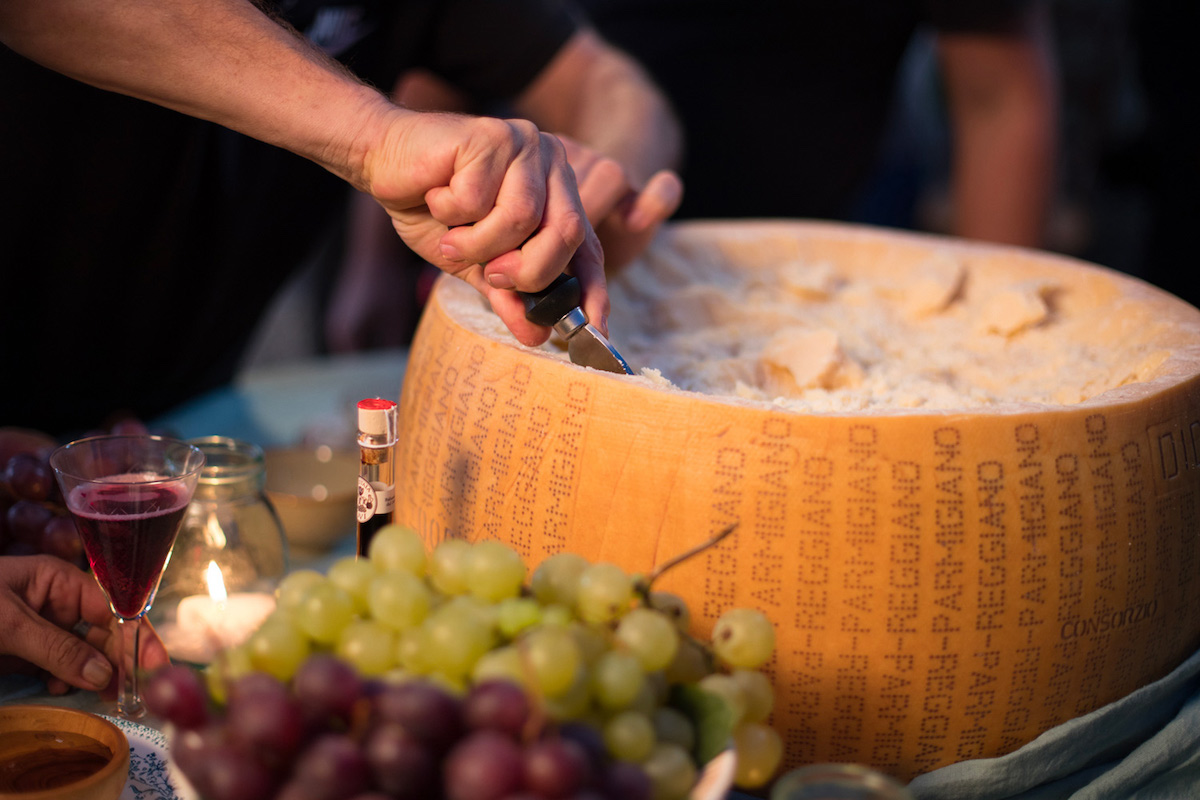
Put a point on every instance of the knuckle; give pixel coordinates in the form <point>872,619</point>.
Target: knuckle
<point>62,650</point>
<point>574,228</point>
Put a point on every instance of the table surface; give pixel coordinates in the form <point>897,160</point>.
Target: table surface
<point>1146,745</point>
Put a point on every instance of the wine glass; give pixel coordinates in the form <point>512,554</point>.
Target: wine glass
<point>128,496</point>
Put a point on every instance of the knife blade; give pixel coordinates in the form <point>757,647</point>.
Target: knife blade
<point>558,307</point>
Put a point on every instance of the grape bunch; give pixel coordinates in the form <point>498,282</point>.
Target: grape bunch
<point>33,517</point>
<point>580,682</point>
<point>33,514</point>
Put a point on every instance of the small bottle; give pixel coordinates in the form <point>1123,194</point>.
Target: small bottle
<point>376,473</point>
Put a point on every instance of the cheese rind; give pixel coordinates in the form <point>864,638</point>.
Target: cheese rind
<point>949,576</point>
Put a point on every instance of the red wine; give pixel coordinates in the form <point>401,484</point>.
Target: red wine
<point>127,531</point>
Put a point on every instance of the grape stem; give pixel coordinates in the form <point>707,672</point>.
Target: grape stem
<point>643,586</point>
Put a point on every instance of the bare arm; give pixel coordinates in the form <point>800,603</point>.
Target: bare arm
<point>220,60</point>
<point>461,191</point>
<point>603,98</point>
<point>1003,105</point>
<point>622,138</point>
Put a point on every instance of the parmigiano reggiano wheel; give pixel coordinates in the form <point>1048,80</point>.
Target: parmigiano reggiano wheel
<point>967,497</point>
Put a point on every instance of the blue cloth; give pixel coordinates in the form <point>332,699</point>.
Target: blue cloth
<point>1145,746</point>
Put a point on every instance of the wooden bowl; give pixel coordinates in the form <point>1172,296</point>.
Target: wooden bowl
<point>52,753</point>
<point>313,491</point>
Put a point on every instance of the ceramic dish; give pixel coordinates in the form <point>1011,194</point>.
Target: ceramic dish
<point>150,772</point>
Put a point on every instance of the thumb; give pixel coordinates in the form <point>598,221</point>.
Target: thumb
<point>62,654</point>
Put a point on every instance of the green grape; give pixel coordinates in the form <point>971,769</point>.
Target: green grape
<point>515,614</point>
<point>494,571</point>
<point>556,579</point>
<point>572,704</point>
<point>646,699</point>
<point>743,638</point>
<point>672,725</point>
<point>557,615</point>
<point>485,612</point>
<point>411,646</point>
<point>448,566</point>
<point>605,593</point>
<point>324,611</point>
<point>399,599</point>
<point>616,679</point>
<point>293,586</point>
<point>725,687</point>
<point>629,736</point>
<point>649,635</point>
<point>758,693</point>
<point>503,662</point>
<point>759,751</point>
<point>369,646</point>
<point>552,658</point>
<point>675,609</point>
<point>278,647</point>
<point>592,640</point>
<point>456,637</point>
<point>353,575</point>
<point>690,664</point>
<point>671,771</point>
<point>397,546</point>
<point>658,686</point>
<point>229,665</point>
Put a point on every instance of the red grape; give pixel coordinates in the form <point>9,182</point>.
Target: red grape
<point>265,719</point>
<point>177,694</point>
<point>326,687</point>
<point>625,781</point>
<point>26,519</point>
<point>555,767</point>
<point>61,539</point>
<point>28,477</point>
<point>400,764</point>
<point>485,766</point>
<point>332,768</point>
<point>431,714</point>
<point>497,705</point>
<point>234,774</point>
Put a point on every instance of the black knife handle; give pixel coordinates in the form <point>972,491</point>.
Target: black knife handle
<point>554,302</point>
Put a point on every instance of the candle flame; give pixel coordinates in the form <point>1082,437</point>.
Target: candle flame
<point>216,583</point>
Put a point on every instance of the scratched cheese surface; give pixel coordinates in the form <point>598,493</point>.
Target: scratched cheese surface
<point>954,563</point>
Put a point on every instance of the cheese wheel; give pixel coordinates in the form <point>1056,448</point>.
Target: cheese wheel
<point>971,512</point>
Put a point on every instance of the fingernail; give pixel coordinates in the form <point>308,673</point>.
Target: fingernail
<point>450,252</point>
<point>498,280</point>
<point>97,671</point>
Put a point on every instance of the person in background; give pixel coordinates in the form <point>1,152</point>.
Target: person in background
<point>144,239</point>
<point>815,83</point>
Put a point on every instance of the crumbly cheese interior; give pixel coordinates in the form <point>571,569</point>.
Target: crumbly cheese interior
<point>935,333</point>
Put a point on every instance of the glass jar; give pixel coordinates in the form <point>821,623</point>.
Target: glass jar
<point>231,553</point>
<point>838,782</point>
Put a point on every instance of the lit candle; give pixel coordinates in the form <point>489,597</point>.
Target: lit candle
<point>207,623</point>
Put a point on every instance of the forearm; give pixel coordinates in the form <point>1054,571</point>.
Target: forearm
<point>1004,112</point>
<point>603,99</point>
<point>219,60</point>
<point>1004,179</point>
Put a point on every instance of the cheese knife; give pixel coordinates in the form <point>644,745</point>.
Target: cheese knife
<point>558,307</point>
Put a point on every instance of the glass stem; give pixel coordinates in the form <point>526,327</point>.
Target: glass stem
<point>129,697</point>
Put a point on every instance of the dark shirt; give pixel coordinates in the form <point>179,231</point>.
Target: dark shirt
<point>139,246</point>
<point>784,102</point>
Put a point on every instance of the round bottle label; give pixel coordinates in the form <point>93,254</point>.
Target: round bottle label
<point>366,499</point>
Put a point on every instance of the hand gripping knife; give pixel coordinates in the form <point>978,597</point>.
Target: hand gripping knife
<point>558,307</point>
